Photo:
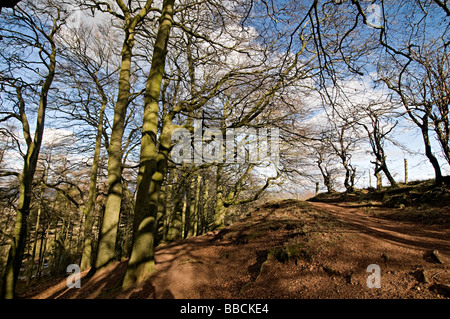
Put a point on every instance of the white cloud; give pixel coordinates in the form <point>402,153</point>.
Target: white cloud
<point>57,136</point>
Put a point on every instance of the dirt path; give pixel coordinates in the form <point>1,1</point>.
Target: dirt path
<point>407,234</point>
<point>330,247</point>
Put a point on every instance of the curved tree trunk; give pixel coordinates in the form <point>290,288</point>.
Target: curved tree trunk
<point>428,152</point>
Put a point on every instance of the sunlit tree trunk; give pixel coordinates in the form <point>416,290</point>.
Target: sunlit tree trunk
<point>429,153</point>
<point>153,162</point>
<point>108,231</point>
<point>86,255</point>
<point>195,205</point>
<point>174,210</point>
<point>16,250</point>
<point>42,251</point>
<point>36,238</point>
<point>219,209</point>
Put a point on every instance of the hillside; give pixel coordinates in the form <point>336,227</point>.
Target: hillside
<point>419,201</point>
<point>296,249</point>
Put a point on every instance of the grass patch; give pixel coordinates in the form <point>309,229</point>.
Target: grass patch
<point>308,236</point>
<point>287,253</point>
<point>424,215</point>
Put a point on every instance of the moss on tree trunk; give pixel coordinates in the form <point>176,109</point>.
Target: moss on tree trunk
<point>153,162</point>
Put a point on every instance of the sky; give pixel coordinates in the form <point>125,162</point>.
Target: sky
<point>406,134</point>
<point>418,165</point>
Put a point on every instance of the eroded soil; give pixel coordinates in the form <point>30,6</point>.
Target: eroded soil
<point>289,249</point>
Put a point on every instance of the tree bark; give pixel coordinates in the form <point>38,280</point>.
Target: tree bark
<point>110,221</point>
<point>108,232</point>
<point>327,178</point>
<point>196,205</point>
<point>428,152</point>
<point>405,162</point>
<point>33,253</point>
<point>41,253</point>
<point>86,255</point>
<point>219,210</point>
<point>16,251</point>
<point>153,163</point>
<point>386,171</point>
<point>174,211</point>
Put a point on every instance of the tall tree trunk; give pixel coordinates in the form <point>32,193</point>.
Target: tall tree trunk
<point>347,182</point>
<point>168,207</point>
<point>153,163</point>
<point>86,255</point>
<point>55,248</point>
<point>59,247</point>
<point>193,198</point>
<point>110,221</point>
<point>16,251</point>
<point>191,208</point>
<point>441,127</point>
<point>33,252</point>
<point>219,210</point>
<point>174,211</point>
<point>42,251</point>
<point>160,216</point>
<point>405,162</point>
<point>205,207</point>
<point>108,231</point>
<point>196,204</point>
<point>422,123</point>
<point>350,173</point>
<point>184,214</point>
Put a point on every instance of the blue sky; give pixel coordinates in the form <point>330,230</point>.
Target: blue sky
<point>419,166</point>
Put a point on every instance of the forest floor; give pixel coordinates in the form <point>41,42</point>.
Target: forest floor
<point>292,249</point>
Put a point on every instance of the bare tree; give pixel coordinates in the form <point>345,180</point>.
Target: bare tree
<point>343,139</point>
<point>88,77</point>
<point>131,15</point>
<point>412,63</point>
<point>260,81</point>
<point>33,31</point>
<point>378,127</point>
